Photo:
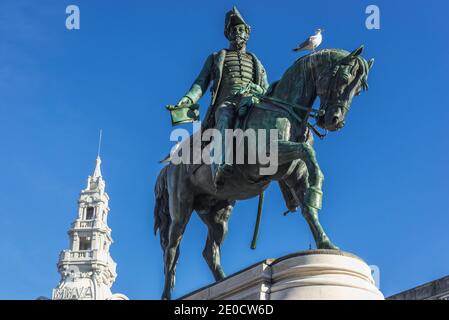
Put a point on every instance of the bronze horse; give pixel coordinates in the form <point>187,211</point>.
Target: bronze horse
<point>333,75</point>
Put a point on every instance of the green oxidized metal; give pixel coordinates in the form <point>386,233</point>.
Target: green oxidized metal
<point>333,76</point>
<point>313,198</point>
<point>184,114</point>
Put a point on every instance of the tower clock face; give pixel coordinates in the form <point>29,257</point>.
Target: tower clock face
<point>93,198</point>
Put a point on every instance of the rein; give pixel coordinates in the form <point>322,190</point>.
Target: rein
<point>287,106</point>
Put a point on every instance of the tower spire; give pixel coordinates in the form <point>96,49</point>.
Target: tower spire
<point>97,171</point>
<point>86,267</point>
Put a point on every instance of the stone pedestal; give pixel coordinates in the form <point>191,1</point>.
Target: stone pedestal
<point>307,275</point>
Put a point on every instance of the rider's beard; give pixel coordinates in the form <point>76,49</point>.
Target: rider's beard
<point>239,42</point>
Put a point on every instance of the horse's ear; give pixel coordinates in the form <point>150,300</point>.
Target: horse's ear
<point>371,63</point>
<point>353,54</point>
<point>356,52</point>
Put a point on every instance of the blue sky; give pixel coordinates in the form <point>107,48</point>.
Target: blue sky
<point>386,187</point>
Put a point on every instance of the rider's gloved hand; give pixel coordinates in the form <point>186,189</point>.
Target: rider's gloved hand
<point>255,88</point>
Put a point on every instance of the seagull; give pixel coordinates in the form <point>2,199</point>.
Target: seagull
<point>312,42</point>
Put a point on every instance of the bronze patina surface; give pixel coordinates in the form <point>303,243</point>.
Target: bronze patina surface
<point>334,76</point>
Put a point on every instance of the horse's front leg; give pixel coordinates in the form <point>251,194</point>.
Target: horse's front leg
<point>312,198</point>
<point>289,151</point>
<point>321,239</point>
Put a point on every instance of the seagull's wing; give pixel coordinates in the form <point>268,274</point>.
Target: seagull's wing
<point>303,45</point>
<point>316,39</point>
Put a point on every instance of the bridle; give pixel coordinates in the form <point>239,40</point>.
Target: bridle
<point>332,81</point>
<point>310,111</point>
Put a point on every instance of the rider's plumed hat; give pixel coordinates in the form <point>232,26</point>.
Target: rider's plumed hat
<point>233,17</point>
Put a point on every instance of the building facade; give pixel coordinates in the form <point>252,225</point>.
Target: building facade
<point>434,290</point>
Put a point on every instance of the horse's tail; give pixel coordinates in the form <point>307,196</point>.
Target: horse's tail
<point>162,218</point>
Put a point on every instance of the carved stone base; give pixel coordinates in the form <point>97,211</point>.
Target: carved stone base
<point>307,275</point>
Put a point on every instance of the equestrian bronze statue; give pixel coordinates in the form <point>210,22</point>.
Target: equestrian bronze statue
<point>334,76</point>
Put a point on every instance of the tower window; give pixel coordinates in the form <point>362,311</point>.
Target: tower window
<point>85,243</point>
<point>90,213</point>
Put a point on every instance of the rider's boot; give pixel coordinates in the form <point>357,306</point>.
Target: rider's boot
<point>224,168</point>
<point>291,199</point>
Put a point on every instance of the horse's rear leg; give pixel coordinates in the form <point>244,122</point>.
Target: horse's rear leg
<point>216,219</point>
<point>180,212</point>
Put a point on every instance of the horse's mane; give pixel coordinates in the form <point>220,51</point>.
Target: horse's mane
<point>335,56</point>
<point>331,56</point>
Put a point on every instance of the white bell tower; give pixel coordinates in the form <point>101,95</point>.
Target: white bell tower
<point>87,269</point>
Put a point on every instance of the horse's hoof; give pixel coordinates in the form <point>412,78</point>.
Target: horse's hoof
<point>327,244</point>
<point>220,275</point>
<point>166,296</point>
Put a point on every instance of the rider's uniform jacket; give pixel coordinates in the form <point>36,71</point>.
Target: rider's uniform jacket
<point>229,71</point>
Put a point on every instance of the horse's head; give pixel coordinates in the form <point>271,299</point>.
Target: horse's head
<point>337,83</point>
